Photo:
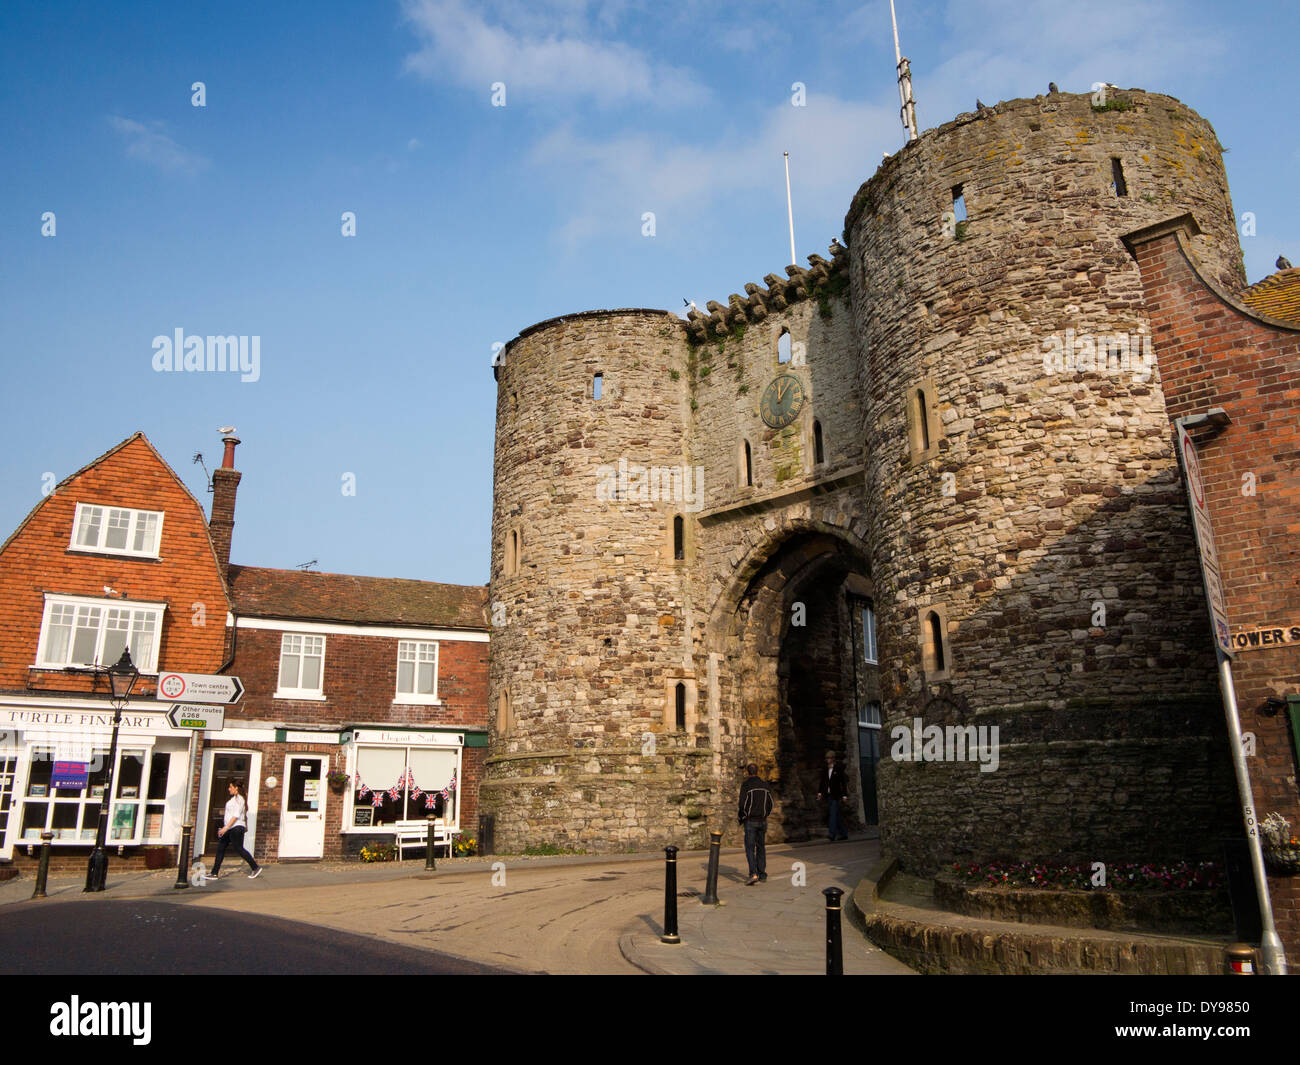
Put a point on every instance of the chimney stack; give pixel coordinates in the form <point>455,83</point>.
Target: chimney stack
<point>225,483</point>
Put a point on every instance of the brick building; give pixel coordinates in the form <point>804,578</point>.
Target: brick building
<point>381,680</point>
<point>1240,351</point>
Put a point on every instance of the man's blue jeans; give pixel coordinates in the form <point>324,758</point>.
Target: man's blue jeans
<point>836,827</point>
<point>756,848</point>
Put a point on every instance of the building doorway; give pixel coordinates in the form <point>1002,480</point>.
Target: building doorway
<point>302,822</point>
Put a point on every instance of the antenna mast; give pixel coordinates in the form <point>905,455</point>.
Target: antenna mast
<point>907,112</point>
<point>789,210</point>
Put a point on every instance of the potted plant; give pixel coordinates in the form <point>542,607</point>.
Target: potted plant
<point>337,780</point>
<point>1281,848</point>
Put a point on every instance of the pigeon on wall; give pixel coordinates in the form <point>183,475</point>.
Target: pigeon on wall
<point>1283,263</point>
<point>1051,87</point>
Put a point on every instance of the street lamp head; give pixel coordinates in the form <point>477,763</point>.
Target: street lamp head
<point>123,675</point>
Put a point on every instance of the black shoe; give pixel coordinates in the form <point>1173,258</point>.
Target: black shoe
<point>763,879</point>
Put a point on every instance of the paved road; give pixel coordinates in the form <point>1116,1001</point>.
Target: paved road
<point>142,936</point>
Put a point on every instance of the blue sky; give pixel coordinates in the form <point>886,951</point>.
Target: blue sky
<point>474,221</point>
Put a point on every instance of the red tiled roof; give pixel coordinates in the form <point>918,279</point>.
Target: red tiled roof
<point>308,596</point>
<point>1278,295</point>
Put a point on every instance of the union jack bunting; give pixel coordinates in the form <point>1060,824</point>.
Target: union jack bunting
<point>415,792</point>
<point>452,785</point>
<point>394,793</point>
<point>377,798</point>
<point>429,801</point>
<point>362,789</point>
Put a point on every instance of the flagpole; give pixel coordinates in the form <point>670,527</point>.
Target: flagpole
<point>789,209</point>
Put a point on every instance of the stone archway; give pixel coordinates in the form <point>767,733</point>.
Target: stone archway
<point>792,642</point>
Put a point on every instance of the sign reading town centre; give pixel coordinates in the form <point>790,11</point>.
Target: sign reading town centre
<point>199,688</point>
<point>197,716</point>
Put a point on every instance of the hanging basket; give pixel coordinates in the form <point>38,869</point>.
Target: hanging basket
<point>337,781</point>
<point>1283,858</point>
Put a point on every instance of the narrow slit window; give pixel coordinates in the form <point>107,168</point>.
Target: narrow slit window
<point>783,347</point>
<point>679,538</point>
<point>597,386</point>
<point>749,466</point>
<point>936,642</point>
<point>958,203</point>
<point>681,707</point>
<point>819,455</point>
<point>1117,183</point>
<point>922,420</point>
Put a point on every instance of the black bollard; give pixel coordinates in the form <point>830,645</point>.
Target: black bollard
<point>711,885</point>
<point>183,858</point>
<point>834,945</point>
<point>670,897</point>
<point>43,870</point>
<point>429,862</point>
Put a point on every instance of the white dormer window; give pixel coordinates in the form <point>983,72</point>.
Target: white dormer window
<point>302,666</point>
<point>117,530</point>
<point>94,632</point>
<point>417,672</point>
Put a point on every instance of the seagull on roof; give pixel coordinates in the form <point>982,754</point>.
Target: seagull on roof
<point>1051,87</point>
<point>1283,263</point>
<point>226,429</point>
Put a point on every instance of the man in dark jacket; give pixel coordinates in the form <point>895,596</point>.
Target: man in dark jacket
<point>832,787</point>
<point>755,806</point>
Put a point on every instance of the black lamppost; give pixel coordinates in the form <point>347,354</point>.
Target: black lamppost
<point>121,679</point>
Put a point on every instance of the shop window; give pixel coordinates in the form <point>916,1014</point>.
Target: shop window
<point>71,811</point>
<point>404,784</point>
<point>89,632</point>
<point>302,666</point>
<point>156,804</point>
<point>116,530</point>
<point>417,671</point>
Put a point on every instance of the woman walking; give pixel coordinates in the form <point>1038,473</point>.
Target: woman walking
<point>231,834</point>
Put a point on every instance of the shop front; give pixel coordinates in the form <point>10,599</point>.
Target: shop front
<point>398,779</point>
<point>54,772</point>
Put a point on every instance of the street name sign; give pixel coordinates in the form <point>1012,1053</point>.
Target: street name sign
<point>199,688</point>
<point>197,716</point>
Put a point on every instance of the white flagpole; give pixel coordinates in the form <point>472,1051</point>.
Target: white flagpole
<point>789,208</point>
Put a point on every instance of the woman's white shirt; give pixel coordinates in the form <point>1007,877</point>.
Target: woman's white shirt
<point>237,809</point>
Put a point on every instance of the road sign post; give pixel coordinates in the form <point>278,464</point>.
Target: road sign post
<point>199,688</point>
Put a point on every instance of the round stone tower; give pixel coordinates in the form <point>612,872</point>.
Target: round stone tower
<point>587,593</point>
<point>1029,539</point>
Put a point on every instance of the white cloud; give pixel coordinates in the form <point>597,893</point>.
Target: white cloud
<point>834,146</point>
<point>150,145</point>
<point>537,62</point>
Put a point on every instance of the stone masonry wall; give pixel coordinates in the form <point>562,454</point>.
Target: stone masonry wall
<point>1046,522</point>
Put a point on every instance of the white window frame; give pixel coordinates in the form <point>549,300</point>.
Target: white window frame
<point>76,602</point>
<point>299,693</point>
<point>452,825</point>
<point>135,518</point>
<point>417,697</point>
<point>870,652</point>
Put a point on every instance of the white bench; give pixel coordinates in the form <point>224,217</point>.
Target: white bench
<point>416,837</point>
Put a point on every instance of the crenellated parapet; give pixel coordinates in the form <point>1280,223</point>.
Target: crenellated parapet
<point>823,277</point>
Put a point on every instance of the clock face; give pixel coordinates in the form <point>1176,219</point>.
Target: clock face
<point>782,401</point>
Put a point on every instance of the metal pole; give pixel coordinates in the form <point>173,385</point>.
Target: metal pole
<point>711,885</point>
<point>1272,957</point>
<point>670,897</point>
<point>834,945</point>
<point>907,112</point>
<point>183,857</point>
<point>429,862</point>
<point>43,870</point>
<point>789,210</point>
<point>97,867</point>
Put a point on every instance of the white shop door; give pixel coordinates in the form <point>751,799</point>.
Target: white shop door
<point>302,822</point>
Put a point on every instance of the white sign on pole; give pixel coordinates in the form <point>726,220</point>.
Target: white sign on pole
<point>197,716</point>
<point>1204,531</point>
<point>199,688</point>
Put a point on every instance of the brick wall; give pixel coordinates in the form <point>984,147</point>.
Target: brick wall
<point>1213,352</point>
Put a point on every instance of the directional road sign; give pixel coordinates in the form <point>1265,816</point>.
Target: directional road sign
<point>199,688</point>
<point>197,716</point>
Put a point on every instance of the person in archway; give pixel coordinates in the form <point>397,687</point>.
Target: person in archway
<point>755,807</point>
<point>833,787</point>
